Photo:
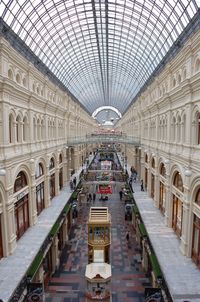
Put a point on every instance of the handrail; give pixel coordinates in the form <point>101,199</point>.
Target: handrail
<point>101,138</point>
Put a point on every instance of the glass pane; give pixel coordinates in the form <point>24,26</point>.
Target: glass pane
<point>108,49</point>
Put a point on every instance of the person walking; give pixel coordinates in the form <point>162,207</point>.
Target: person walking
<point>74,181</point>
<point>142,185</point>
<point>127,237</point>
<point>71,185</point>
<point>90,197</point>
<point>120,194</point>
<point>94,197</point>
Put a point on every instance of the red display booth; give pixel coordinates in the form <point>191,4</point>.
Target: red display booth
<point>104,189</point>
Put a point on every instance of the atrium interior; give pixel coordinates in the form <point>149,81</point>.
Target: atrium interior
<point>100,150</point>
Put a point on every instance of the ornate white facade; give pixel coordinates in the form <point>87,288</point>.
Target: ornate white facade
<point>36,120</point>
<point>166,119</point>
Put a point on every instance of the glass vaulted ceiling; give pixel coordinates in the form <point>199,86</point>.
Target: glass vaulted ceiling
<point>103,51</point>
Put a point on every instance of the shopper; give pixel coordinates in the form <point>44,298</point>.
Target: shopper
<point>142,185</point>
<point>127,237</point>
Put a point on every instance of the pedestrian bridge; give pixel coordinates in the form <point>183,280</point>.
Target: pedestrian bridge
<point>103,138</point>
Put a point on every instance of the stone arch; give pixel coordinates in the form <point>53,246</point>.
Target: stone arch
<point>176,169</point>
<point>10,74</point>
<point>18,78</point>
<point>42,161</point>
<point>22,168</point>
<point>197,65</point>
<point>24,81</point>
<point>25,132</point>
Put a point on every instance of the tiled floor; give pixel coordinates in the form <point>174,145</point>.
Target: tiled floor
<point>128,279</point>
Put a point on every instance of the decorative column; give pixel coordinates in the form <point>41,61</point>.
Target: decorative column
<point>65,170</point>
<point>149,178</point>
<point>46,186</point>
<point>32,194</point>
<point>168,207</point>
<point>11,224</point>
<point>186,217</point>
<point>55,255</point>
<point>57,170</point>
<point>142,166</point>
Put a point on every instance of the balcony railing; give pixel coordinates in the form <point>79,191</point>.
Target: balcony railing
<point>103,138</point>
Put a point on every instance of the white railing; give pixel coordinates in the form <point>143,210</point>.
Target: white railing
<point>101,138</point>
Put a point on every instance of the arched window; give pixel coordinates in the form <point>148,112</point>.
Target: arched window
<point>184,74</point>
<point>198,128</point>
<point>24,82</point>
<point>162,170</point>
<point>25,129</point>
<point>173,129</point>
<point>184,129</point>
<point>60,158</point>
<point>153,163</point>
<point>34,129</point>
<point>38,130</point>
<point>178,183</point>
<point>18,79</point>
<point>18,128</point>
<point>10,74</point>
<point>11,128</point>
<point>178,129</point>
<point>21,205</point>
<point>197,197</point>
<point>52,163</point>
<point>1,231</point>
<point>197,65</point>
<point>20,182</point>
<point>42,130</point>
<point>39,171</point>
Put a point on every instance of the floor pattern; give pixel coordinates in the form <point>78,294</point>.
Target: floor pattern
<point>128,279</point>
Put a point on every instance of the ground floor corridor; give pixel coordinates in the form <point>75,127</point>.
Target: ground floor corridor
<point>128,278</point>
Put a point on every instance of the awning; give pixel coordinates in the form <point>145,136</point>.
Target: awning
<point>142,229</point>
<point>98,271</point>
<point>67,208</point>
<point>135,209</point>
<point>35,265</point>
<point>55,229</point>
<point>155,265</point>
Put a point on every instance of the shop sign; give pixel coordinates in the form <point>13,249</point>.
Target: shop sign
<point>21,195</point>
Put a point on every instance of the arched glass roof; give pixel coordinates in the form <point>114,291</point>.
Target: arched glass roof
<point>103,51</point>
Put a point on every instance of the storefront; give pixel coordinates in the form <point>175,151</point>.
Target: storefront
<point>40,197</point>
<point>177,209</point>
<point>1,239</point>
<point>162,197</point>
<point>21,204</point>
<point>145,178</point>
<point>52,178</point>
<point>60,172</point>
<point>196,240</point>
<point>162,189</point>
<point>39,175</point>
<point>47,259</point>
<point>61,178</point>
<point>177,215</point>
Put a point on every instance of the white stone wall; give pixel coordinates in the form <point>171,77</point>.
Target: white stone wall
<point>36,120</point>
<point>165,119</point>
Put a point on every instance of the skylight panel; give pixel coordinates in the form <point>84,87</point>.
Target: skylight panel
<point>71,38</point>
